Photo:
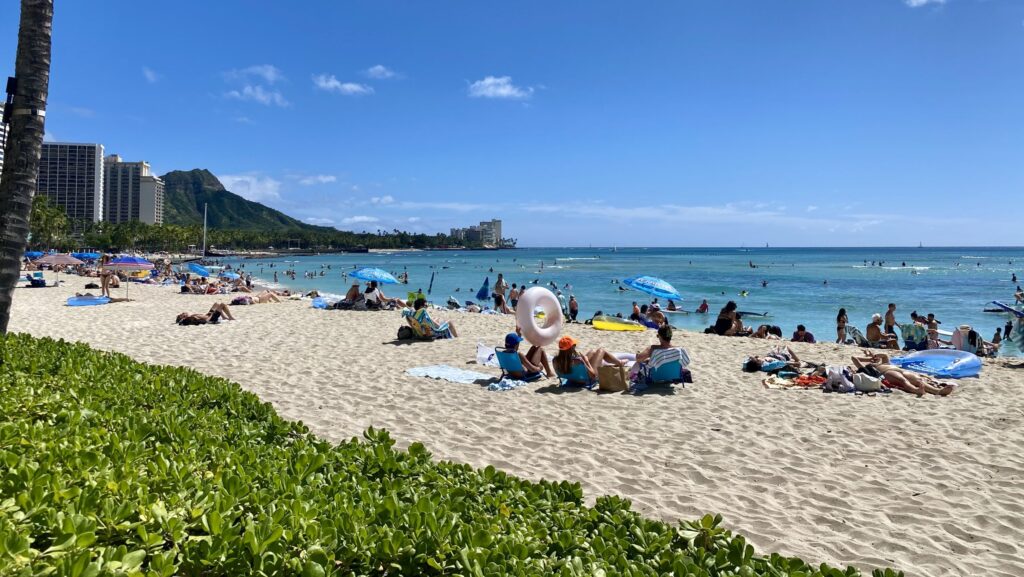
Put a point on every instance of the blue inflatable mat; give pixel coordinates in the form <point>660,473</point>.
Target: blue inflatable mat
<point>941,363</point>
<point>87,301</point>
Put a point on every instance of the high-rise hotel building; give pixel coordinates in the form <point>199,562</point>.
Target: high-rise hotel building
<point>71,176</point>
<point>130,192</point>
<point>3,138</point>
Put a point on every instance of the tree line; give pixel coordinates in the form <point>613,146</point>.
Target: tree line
<point>51,229</point>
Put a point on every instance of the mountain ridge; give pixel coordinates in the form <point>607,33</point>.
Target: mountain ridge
<point>185,192</point>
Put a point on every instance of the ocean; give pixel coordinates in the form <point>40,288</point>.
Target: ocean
<point>792,285</point>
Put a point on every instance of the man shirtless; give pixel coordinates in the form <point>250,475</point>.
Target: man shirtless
<point>879,365</point>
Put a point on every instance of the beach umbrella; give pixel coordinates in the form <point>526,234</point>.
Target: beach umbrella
<point>230,275</point>
<point>485,291</point>
<point>380,276</point>
<point>33,254</point>
<point>58,259</point>
<point>653,286</point>
<point>199,270</point>
<point>128,263</point>
<point>86,255</point>
<point>431,287</point>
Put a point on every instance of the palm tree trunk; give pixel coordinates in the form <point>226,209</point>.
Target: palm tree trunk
<point>24,143</point>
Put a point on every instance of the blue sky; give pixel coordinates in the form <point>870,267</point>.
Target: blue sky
<point>663,123</point>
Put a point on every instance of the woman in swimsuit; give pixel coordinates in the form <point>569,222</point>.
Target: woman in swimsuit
<point>568,357</point>
<point>878,365</point>
<point>841,320</point>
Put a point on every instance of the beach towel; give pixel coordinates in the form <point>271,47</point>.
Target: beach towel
<point>448,373</point>
<point>505,384</point>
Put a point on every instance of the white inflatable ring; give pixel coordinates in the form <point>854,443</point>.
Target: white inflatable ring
<point>539,298</point>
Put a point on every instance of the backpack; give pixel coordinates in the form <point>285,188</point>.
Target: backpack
<point>405,333</point>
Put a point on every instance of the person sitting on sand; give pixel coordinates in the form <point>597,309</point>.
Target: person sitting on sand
<point>764,332</point>
<point>217,310</point>
<point>729,323</point>
<point>802,335</point>
<point>878,365</point>
<point>934,342</point>
<point>534,361</point>
<point>568,357</point>
<point>778,354</point>
<point>662,353</point>
<point>432,329</point>
<point>876,338</point>
<point>655,316</point>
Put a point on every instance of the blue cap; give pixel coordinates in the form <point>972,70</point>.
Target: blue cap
<point>512,339</point>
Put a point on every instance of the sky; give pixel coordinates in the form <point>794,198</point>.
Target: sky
<point>589,122</point>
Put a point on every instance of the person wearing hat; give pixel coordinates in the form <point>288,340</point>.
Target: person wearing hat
<point>534,361</point>
<point>568,357</point>
<point>876,338</point>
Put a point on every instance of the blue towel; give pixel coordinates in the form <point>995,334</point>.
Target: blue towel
<point>448,373</point>
<point>506,384</point>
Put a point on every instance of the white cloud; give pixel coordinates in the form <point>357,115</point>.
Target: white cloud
<point>317,179</point>
<point>257,93</point>
<point>243,120</point>
<point>386,199</point>
<point>150,75</point>
<point>82,111</point>
<point>920,3</point>
<point>414,219</point>
<point>811,208</point>
<point>332,84</point>
<point>49,136</point>
<point>380,72</point>
<point>268,72</point>
<point>252,186</point>
<point>319,221</point>
<point>360,219</point>
<point>499,87</point>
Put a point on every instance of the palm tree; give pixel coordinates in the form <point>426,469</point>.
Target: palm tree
<point>24,143</point>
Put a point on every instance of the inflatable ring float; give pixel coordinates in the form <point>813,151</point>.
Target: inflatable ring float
<point>539,332</point>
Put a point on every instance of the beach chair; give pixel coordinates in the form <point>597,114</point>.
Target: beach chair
<point>669,370</point>
<point>425,327</point>
<point>36,279</point>
<point>510,364</point>
<point>858,337</point>
<point>419,332</point>
<point>578,377</point>
<point>915,337</point>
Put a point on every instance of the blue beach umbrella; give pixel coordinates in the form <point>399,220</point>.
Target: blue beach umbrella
<point>33,254</point>
<point>381,276</point>
<point>199,269</point>
<point>129,263</point>
<point>485,291</point>
<point>653,286</point>
<point>229,275</point>
<point>86,255</point>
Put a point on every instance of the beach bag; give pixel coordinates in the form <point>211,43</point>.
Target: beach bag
<point>836,380</point>
<point>866,383</point>
<point>612,379</point>
<point>486,356</point>
<point>405,333</point>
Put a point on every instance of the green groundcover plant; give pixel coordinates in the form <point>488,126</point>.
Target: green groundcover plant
<point>114,467</point>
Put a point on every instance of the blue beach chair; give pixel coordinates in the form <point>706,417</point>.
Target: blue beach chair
<point>511,365</point>
<point>578,377</point>
<point>35,280</point>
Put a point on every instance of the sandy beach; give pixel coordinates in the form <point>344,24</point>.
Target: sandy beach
<point>931,486</point>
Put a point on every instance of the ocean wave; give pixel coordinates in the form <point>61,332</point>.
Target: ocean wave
<point>975,257</point>
<point>579,258</point>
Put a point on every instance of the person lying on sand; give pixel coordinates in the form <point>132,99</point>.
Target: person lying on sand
<point>109,299</point>
<point>779,353</point>
<point>764,332</point>
<point>217,310</point>
<point>878,365</point>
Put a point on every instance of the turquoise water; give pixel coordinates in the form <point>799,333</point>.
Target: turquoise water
<point>953,283</point>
